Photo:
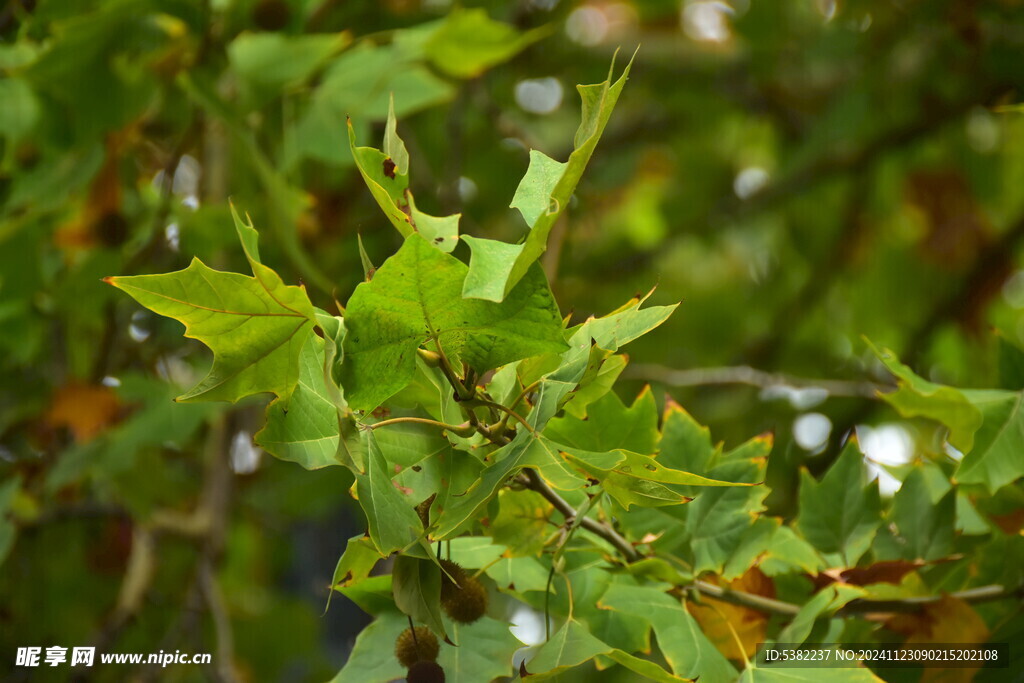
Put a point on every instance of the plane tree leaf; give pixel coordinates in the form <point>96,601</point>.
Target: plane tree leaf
<point>305,429</point>
<point>840,513</point>
<point>629,322</point>
<point>718,517</point>
<point>640,479</point>
<point>995,460</point>
<point>686,649</point>
<point>256,326</point>
<point>386,174</point>
<point>610,424</point>
<point>390,513</point>
<point>495,270</point>
<point>917,397</point>
<point>417,588</point>
<point>573,645</point>
<point>372,659</point>
<point>485,651</point>
<point>925,527</point>
<point>414,298</point>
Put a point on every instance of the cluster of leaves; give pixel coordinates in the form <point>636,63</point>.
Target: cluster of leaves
<point>92,462</point>
<point>473,416</point>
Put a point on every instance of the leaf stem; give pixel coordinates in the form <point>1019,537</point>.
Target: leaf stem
<point>524,393</point>
<point>460,430</point>
<point>509,412</point>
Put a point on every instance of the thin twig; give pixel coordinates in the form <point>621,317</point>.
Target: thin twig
<point>744,374</point>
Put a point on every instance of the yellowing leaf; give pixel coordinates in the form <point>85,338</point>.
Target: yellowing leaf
<point>723,623</point>
<point>948,620</point>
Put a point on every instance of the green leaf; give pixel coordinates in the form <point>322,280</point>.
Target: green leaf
<point>611,425</point>
<point>629,322</point>
<point>809,675</point>
<point>255,326</point>
<point>602,372</point>
<point>484,653</point>
<point>525,449</point>
<point>355,563</point>
<point>686,649</point>
<point>372,659</point>
<point>372,595</point>
<point>824,604</point>
<point>522,522</point>
<point>685,444</point>
<point>391,515</point>
<point>386,184</point>
<point>718,518</point>
<point>417,588</point>
<point>469,42</point>
<point>368,268</point>
<point>626,632</point>
<point>533,196</point>
<point>639,479</point>
<point>442,232</point>
<point>917,397</point>
<point>995,460</point>
<point>304,430</point>
<point>276,60</point>
<point>388,181</point>
<point>414,298</point>
<point>494,270</point>
<point>569,647</point>
<point>840,513</point>
<point>394,147</point>
<point>787,552</point>
<point>358,83</point>
<point>926,528</point>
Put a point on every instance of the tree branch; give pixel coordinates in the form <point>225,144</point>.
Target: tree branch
<point>531,480</point>
<point>744,374</point>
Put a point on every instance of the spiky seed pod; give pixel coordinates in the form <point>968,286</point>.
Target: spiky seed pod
<point>421,648</point>
<point>425,672</point>
<point>450,586</point>
<point>469,604</point>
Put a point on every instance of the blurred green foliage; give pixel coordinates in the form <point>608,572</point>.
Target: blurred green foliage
<point>798,173</point>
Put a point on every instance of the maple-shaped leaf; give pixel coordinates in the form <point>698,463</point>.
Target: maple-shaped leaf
<point>255,325</point>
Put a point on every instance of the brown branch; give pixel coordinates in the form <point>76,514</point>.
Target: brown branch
<point>531,480</point>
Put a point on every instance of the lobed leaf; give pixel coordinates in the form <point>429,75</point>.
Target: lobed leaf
<point>688,651</point>
<point>414,299</point>
<point>255,326</point>
<point>495,267</point>
<point>840,514</point>
<point>919,397</point>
